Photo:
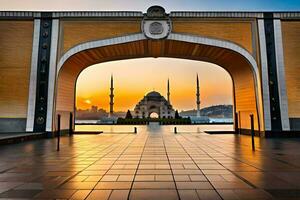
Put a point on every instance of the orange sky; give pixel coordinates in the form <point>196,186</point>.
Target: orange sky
<point>136,77</point>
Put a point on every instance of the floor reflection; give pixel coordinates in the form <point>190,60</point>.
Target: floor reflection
<point>155,163</point>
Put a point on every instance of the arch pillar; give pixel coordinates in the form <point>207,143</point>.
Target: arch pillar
<point>273,76</point>
<point>43,74</point>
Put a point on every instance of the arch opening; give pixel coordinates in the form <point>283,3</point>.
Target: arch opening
<point>146,90</point>
<point>245,76</point>
<point>154,115</point>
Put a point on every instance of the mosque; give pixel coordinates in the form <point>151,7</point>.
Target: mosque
<point>154,105</point>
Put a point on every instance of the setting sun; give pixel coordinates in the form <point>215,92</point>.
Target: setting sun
<point>88,101</point>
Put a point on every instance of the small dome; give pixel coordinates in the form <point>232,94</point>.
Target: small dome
<point>153,94</point>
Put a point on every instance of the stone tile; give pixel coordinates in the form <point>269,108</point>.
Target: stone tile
<point>56,194</point>
<point>231,178</point>
<point>215,178</point>
<point>266,180</point>
<point>230,185</point>
<point>182,178</point>
<point>144,166</point>
<point>177,166</point>
<point>153,185</point>
<point>193,185</point>
<point>208,195</point>
<point>110,178</point>
<point>92,179</point>
<point>158,171</point>
<point>144,178</point>
<point>161,166</point>
<point>188,194</point>
<point>164,178</point>
<point>99,194</point>
<point>197,178</point>
<point>119,195</point>
<point>190,166</point>
<point>125,178</point>
<point>30,186</point>
<point>121,171</point>
<point>153,194</point>
<point>215,172</point>
<point>113,185</point>
<point>252,194</point>
<point>210,166</point>
<point>186,171</point>
<point>80,194</point>
<point>19,194</point>
<point>79,185</point>
<point>4,186</point>
<point>79,178</point>
<point>92,173</point>
<point>284,194</point>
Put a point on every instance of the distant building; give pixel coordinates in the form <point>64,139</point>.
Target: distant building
<point>91,114</point>
<point>199,120</point>
<point>153,102</point>
<point>94,109</point>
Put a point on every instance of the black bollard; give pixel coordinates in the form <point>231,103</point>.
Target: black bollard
<point>135,130</point>
<point>236,123</point>
<point>175,130</point>
<point>252,131</point>
<point>58,132</point>
<point>71,124</point>
<point>239,123</point>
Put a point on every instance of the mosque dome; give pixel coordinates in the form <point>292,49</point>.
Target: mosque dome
<point>153,94</point>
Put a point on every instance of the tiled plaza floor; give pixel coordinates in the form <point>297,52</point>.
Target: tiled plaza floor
<point>154,164</point>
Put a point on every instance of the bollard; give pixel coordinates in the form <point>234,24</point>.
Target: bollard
<point>71,124</point>
<point>252,131</point>
<point>135,130</point>
<point>236,123</point>
<point>239,122</point>
<point>58,132</point>
<point>175,130</point>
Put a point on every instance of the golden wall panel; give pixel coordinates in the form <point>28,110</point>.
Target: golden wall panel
<point>76,32</point>
<point>15,64</point>
<point>291,46</point>
<point>234,31</point>
<point>245,98</point>
<point>65,101</point>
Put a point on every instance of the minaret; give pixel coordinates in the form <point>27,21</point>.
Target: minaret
<point>198,97</point>
<point>111,96</point>
<point>168,93</point>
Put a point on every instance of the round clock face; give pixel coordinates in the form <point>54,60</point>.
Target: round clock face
<point>156,29</point>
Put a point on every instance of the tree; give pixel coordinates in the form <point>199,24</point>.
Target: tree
<point>177,115</point>
<point>128,115</point>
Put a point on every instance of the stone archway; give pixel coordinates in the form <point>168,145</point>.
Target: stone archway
<point>237,61</point>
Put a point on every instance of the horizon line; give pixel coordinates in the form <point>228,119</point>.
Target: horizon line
<point>175,109</point>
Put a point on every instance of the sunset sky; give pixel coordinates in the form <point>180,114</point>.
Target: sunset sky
<point>142,5</point>
<point>136,77</point>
